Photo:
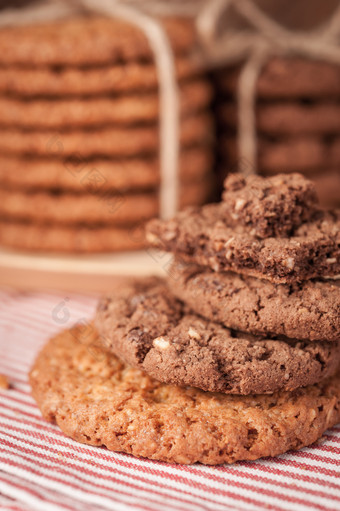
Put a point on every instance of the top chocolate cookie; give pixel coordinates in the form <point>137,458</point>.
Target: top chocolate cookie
<point>209,237</point>
<point>269,207</point>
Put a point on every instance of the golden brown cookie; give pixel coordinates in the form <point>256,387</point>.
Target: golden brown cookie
<point>86,41</point>
<point>119,78</point>
<point>111,208</point>
<point>322,117</point>
<point>289,77</point>
<point>70,239</point>
<point>98,400</point>
<point>101,111</point>
<point>80,174</point>
<point>327,184</point>
<point>107,141</point>
<point>299,154</point>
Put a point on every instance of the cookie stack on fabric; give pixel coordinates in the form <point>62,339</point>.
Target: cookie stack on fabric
<point>79,133</point>
<point>297,122</point>
<point>234,356</point>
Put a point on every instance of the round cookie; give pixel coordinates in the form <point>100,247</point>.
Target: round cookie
<point>98,400</point>
<point>300,154</point>
<point>85,41</point>
<point>148,328</point>
<point>82,174</point>
<point>289,118</point>
<point>88,81</point>
<point>289,78</point>
<point>70,239</point>
<point>116,141</point>
<point>101,111</point>
<point>112,208</point>
<point>310,310</point>
<point>327,184</point>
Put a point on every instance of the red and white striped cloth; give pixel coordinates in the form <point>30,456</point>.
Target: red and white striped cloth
<point>42,469</point>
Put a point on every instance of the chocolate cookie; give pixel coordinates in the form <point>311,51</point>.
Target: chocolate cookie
<point>96,399</point>
<point>309,311</point>
<point>87,41</point>
<point>290,77</point>
<point>89,81</point>
<point>81,174</point>
<point>116,141</point>
<point>70,239</point>
<point>150,329</point>
<point>100,111</point>
<point>203,236</point>
<point>289,118</point>
<point>269,206</point>
<point>112,208</point>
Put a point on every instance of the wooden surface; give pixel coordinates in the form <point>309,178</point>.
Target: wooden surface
<point>89,273</point>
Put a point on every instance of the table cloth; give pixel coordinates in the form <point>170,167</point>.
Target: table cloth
<point>42,469</point>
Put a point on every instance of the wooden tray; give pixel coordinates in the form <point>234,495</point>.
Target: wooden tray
<point>83,273</point>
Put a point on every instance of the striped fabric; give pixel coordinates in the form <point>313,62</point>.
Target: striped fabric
<point>41,469</point>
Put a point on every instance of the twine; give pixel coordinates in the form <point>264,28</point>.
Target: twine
<point>256,45</point>
<point>169,118</point>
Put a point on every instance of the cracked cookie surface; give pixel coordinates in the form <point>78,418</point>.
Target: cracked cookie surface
<point>309,310</point>
<point>148,328</point>
<point>273,206</point>
<point>98,400</point>
<point>205,237</point>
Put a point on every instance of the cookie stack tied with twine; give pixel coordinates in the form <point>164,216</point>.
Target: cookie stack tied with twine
<point>278,75</point>
<point>297,121</point>
<point>234,356</point>
<point>79,133</point>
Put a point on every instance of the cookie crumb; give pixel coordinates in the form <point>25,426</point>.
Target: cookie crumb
<point>4,383</point>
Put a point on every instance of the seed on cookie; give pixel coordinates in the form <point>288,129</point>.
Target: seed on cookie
<point>161,343</point>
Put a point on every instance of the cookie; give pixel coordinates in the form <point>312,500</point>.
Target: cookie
<point>70,239</point>
<point>86,41</point>
<point>334,152</point>
<point>289,118</point>
<point>203,236</point>
<point>289,77</point>
<point>100,111</point>
<point>300,154</point>
<point>126,175</point>
<point>149,329</point>
<point>327,184</point>
<point>112,208</point>
<point>309,311</point>
<point>4,383</point>
<point>269,206</point>
<point>98,400</point>
<point>108,141</point>
<point>120,78</point>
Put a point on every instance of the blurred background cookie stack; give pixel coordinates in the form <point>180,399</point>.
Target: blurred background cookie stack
<point>79,133</point>
<point>297,122</point>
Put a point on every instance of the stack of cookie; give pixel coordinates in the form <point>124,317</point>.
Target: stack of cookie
<point>79,133</point>
<point>234,356</point>
<point>297,121</point>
